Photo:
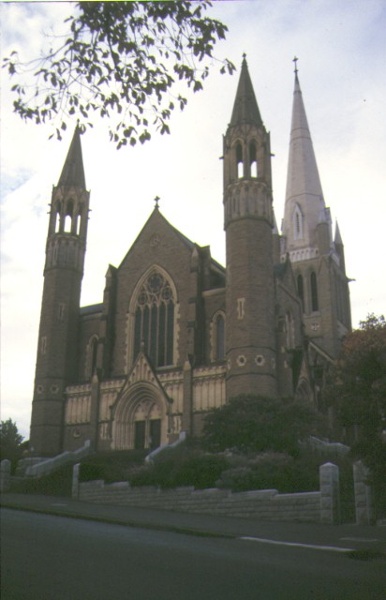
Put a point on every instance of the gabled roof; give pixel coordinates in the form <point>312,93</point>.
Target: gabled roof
<point>92,309</point>
<point>156,213</point>
<point>73,172</point>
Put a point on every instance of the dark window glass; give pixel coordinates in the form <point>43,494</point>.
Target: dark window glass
<point>314,293</point>
<point>239,161</point>
<point>301,289</point>
<point>162,334</point>
<point>94,356</point>
<point>154,320</point>
<point>220,337</point>
<point>253,160</point>
<point>137,331</point>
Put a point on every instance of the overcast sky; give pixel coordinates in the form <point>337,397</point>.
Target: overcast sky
<point>341,45</point>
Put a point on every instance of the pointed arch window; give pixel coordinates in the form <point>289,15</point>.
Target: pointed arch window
<point>298,223</point>
<point>154,320</point>
<point>314,292</point>
<point>239,161</point>
<point>219,337</point>
<point>253,160</point>
<point>78,220</point>
<point>300,286</point>
<point>290,330</point>
<point>68,218</point>
<point>57,217</point>
<point>92,356</point>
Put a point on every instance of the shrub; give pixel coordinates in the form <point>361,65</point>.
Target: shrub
<point>110,466</point>
<point>180,467</point>
<point>57,483</point>
<point>263,471</point>
<point>258,424</point>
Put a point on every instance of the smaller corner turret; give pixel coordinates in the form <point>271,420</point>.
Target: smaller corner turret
<point>57,363</point>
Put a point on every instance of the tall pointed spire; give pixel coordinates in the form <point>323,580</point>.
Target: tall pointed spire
<point>338,237</point>
<point>304,195</point>
<point>245,108</point>
<point>73,172</point>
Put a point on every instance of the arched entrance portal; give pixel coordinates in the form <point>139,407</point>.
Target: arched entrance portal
<point>147,426</point>
<point>140,419</point>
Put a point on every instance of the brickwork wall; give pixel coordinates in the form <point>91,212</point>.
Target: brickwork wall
<point>266,505</point>
<point>158,244</point>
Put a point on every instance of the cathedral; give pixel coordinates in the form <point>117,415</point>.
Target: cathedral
<point>176,334</point>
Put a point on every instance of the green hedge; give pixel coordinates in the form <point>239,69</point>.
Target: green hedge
<point>111,466</point>
<point>182,468</point>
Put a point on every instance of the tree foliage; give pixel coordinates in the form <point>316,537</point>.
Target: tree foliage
<point>357,393</point>
<point>10,441</point>
<point>358,388</point>
<point>251,423</point>
<point>121,60</point>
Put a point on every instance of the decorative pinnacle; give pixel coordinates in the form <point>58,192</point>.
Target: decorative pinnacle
<point>156,201</point>
<point>295,60</point>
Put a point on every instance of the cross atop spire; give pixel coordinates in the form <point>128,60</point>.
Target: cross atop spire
<point>295,61</point>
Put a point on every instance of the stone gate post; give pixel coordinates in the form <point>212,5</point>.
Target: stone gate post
<point>364,514</point>
<point>329,493</point>
<point>75,481</point>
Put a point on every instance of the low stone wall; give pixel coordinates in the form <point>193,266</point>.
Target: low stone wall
<point>266,505</point>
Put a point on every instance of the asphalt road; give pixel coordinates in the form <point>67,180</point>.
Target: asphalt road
<point>47,557</point>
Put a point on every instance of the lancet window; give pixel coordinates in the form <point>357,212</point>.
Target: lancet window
<point>300,285</point>
<point>298,223</point>
<point>92,355</point>
<point>154,320</point>
<point>219,337</point>
<point>314,292</point>
<point>239,161</point>
<point>253,160</point>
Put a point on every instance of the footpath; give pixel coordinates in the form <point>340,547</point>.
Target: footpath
<point>365,541</point>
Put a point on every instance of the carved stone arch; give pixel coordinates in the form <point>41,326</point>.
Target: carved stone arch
<point>142,403</point>
<point>132,345</point>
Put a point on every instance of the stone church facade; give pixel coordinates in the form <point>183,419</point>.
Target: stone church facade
<point>176,333</point>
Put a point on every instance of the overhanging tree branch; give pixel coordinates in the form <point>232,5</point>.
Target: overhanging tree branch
<point>121,60</point>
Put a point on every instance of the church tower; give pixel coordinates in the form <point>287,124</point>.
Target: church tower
<point>56,363</point>
<point>317,259</point>
<point>248,223</point>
